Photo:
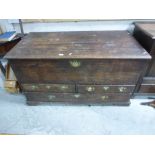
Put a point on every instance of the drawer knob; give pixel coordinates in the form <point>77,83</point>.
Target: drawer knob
<point>90,89</point>
<point>122,89</point>
<point>51,97</point>
<point>106,88</point>
<point>104,97</point>
<point>75,63</point>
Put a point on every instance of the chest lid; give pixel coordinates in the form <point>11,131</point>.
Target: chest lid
<point>78,45</point>
<point>147,27</point>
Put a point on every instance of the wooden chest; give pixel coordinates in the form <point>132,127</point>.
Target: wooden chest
<point>79,67</point>
<point>144,32</point>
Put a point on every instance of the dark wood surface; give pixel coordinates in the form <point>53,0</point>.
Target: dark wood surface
<point>5,47</point>
<point>151,72</point>
<point>144,32</point>
<point>117,72</point>
<point>148,85</point>
<point>101,89</point>
<point>81,45</point>
<point>147,27</point>
<point>104,99</point>
<point>56,88</point>
<point>72,88</point>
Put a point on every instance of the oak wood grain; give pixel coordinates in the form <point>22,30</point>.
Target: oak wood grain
<point>81,45</point>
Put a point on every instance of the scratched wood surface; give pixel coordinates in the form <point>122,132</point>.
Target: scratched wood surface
<point>148,85</point>
<point>82,45</point>
<point>144,32</point>
<point>104,99</point>
<point>89,71</point>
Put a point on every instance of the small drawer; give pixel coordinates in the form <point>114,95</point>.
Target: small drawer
<point>106,88</point>
<point>56,88</point>
<point>148,85</point>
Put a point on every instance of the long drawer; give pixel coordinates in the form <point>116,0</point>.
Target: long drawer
<point>113,72</point>
<point>106,98</point>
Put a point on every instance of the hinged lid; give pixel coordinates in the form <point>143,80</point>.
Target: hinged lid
<point>78,45</point>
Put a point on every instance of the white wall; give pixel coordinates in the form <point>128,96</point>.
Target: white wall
<point>13,24</point>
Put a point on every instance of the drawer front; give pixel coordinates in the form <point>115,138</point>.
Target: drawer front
<point>72,97</point>
<point>148,85</point>
<point>57,88</point>
<point>78,71</point>
<point>105,88</point>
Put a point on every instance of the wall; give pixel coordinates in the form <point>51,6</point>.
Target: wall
<point>69,25</point>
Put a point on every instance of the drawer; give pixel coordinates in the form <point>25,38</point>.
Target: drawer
<point>105,88</point>
<point>148,85</point>
<point>57,88</point>
<point>80,98</point>
<point>108,72</point>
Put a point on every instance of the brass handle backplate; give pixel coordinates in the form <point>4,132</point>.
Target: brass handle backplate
<point>122,89</point>
<point>34,87</point>
<point>51,97</point>
<point>64,87</point>
<point>106,88</point>
<point>90,89</point>
<point>104,97</point>
<point>75,63</point>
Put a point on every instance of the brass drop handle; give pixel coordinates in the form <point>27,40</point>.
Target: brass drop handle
<point>63,87</point>
<point>75,63</point>
<point>104,97</point>
<point>48,87</point>
<point>51,97</point>
<point>106,88</point>
<point>34,87</point>
<point>90,89</point>
<point>122,89</point>
<point>76,95</point>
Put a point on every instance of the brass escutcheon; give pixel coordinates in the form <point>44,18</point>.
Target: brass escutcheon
<point>75,63</point>
<point>122,89</point>
<point>90,89</point>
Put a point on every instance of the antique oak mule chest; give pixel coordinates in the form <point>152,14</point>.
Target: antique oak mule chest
<point>101,67</point>
<point>144,32</point>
